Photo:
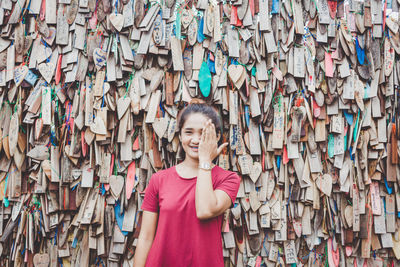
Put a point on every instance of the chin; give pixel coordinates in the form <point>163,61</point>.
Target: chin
<point>192,155</point>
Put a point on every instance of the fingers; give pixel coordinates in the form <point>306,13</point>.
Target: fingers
<point>221,147</point>
<point>203,134</point>
<point>213,132</point>
<point>208,130</point>
<point>211,129</point>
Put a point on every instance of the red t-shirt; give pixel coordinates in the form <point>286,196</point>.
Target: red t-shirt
<point>181,239</point>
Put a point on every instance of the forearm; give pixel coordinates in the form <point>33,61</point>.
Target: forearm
<point>141,252</point>
<point>205,197</point>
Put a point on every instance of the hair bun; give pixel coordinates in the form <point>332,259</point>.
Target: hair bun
<point>197,101</point>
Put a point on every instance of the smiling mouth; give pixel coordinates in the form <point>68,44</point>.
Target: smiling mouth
<point>194,147</point>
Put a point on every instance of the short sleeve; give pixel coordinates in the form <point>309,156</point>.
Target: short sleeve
<point>150,202</point>
<point>230,185</point>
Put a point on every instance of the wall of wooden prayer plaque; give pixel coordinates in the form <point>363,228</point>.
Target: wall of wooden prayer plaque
<point>308,93</point>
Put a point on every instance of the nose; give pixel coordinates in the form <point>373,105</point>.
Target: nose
<point>196,138</point>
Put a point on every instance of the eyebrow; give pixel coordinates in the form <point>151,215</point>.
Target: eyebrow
<point>189,128</point>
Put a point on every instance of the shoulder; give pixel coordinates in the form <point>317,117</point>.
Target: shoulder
<point>158,178</point>
<point>222,174</point>
<point>162,174</point>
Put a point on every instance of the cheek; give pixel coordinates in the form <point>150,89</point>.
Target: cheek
<point>185,139</point>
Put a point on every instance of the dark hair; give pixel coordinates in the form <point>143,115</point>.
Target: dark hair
<point>202,108</point>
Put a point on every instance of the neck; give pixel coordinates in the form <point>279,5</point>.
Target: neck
<point>190,162</point>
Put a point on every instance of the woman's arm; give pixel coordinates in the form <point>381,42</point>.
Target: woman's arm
<point>209,202</point>
<point>146,237</point>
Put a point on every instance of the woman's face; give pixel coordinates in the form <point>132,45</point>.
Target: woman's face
<point>190,134</point>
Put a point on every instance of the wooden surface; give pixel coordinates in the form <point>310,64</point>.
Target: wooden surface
<point>308,92</point>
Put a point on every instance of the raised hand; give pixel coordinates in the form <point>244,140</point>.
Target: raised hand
<point>208,147</point>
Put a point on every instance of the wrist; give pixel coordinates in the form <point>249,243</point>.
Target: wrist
<point>207,166</point>
<point>205,160</point>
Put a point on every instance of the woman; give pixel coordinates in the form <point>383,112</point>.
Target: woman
<point>183,205</point>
